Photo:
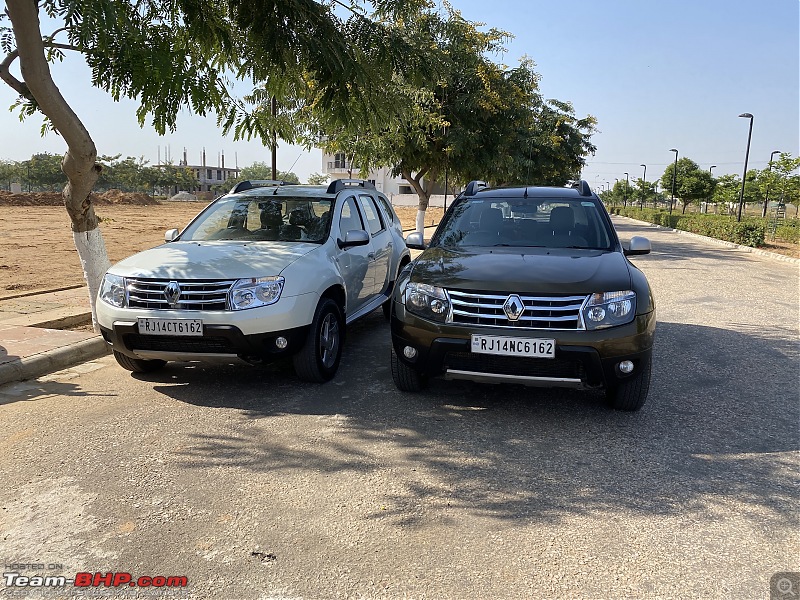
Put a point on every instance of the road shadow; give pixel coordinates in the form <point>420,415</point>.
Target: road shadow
<point>720,424</point>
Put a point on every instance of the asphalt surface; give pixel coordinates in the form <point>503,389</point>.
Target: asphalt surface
<point>255,485</point>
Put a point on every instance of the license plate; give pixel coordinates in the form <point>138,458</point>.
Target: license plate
<point>513,346</point>
<point>192,327</point>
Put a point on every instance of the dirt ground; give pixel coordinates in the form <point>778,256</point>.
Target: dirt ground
<point>36,248</point>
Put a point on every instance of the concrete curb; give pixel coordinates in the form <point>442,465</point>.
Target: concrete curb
<point>757,251</point>
<point>31,367</point>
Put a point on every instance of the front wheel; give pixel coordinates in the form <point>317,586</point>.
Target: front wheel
<point>319,358</point>
<point>138,365</point>
<point>630,394</point>
<point>405,378</point>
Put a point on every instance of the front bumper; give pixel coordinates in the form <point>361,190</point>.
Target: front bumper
<point>218,342</point>
<point>246,334</point>
<point>583,359</point>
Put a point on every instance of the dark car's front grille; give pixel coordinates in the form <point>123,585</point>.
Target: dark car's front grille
<point>195,294</point>
<point>162,343</point>
<point>541,312</point>
<point>514,365</point>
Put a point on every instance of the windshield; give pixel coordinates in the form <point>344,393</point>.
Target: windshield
<point>529,222</point>
<point>256,218</point>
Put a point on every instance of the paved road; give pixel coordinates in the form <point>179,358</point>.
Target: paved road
<point>255,485</point>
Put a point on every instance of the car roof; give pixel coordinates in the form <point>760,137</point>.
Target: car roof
<point>310,191</point>
<point>529,192</point>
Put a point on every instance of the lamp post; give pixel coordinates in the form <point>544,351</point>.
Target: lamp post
<point>674,174</point>
<point>712,179</point>
<point>644,184</point>
<point>746,157</point>
<point>766,196</point>
<point>627,185</point>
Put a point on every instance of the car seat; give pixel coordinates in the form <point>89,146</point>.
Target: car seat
<point>562,225</point>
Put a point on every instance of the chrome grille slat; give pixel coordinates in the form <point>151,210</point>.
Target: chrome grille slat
<point>541,312</point>
<point>195,294</point>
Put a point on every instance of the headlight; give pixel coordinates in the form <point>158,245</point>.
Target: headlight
<point>112,290</point>
<point>427,301</point>
<point>609,309</point>
<point>255,292</point>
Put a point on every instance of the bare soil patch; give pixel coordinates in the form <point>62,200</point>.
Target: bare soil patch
<point>36,248</point>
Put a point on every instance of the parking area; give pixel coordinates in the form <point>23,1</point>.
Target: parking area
<point>253,484</point>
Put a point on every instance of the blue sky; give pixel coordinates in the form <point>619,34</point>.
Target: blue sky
<point>656,75</point>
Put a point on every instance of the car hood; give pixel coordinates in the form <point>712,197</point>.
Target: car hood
<point>212,260</point>
<point>524,270</point>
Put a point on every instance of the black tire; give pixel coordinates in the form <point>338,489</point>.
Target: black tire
<point>138,365</point>
<point>405,378</point>
<point>319,358</point>
<point>630,394</point>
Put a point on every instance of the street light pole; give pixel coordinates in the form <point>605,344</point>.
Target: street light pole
<point>644,184</point>
<point>627,182</point>
<point>674,175</point>
<point>746,158</point>
<point>766,196</point>
<point>712,181</point>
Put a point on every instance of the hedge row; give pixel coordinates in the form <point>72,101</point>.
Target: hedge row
<point>749,232</point>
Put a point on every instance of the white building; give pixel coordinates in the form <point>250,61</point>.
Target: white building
<point>336,166</point>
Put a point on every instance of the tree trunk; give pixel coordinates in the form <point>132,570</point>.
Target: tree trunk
<point>79,162</point>
<point>423,194</point>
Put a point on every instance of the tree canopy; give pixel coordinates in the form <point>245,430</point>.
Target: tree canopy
<point>692,184</point>
<point>477,120</point>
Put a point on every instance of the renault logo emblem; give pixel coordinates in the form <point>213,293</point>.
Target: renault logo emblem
<point>513,307</point>
<point>172,292</point>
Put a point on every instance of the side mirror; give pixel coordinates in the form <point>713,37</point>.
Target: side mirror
<point>415,241</point>
<point>354,237</point>
<point>638,245</point>
<point>170,235</point>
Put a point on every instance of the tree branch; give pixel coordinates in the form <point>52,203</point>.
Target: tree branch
<point>17,85</point>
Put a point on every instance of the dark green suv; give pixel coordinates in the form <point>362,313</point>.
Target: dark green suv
<point>526,285</point>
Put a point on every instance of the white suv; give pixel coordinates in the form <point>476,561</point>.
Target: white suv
<point>266,271</point>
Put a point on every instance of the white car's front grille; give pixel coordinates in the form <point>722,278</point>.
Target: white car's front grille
<point>540,312</point>
<point>170,294</point>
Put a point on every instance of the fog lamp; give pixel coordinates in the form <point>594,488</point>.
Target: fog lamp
<point>409,352</point>
<point>625,366</point>
<point>281,342</point>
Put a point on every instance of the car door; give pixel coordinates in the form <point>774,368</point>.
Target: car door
<point>354,262</point>
<point>381,239</point>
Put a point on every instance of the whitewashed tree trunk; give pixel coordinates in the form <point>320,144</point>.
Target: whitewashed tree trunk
<point>420,224</point>
<point>79,162</point>
<point>94,260</point>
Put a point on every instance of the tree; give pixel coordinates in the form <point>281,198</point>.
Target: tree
<point>691,182</point>
<point>9,172</point>
<point>786,185</point>
<point>726,191</point>
<point>477,120</point>
<point>317,179</point>
<point>42,172</point>
<point>642,191</point>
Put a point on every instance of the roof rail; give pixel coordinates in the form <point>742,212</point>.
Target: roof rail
<point>473,187</point>
<point>337,185</point>
<point>250,184</point>
<point>582,186</point>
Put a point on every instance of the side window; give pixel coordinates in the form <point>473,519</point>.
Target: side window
<point>371,212</point>
<point>350,219</point>
<point>387,208</point>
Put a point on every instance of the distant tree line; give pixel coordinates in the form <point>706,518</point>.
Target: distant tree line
<point>694,185</point>
<point>43,173</point>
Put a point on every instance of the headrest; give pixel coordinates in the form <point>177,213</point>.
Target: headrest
<point>562,218</point>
